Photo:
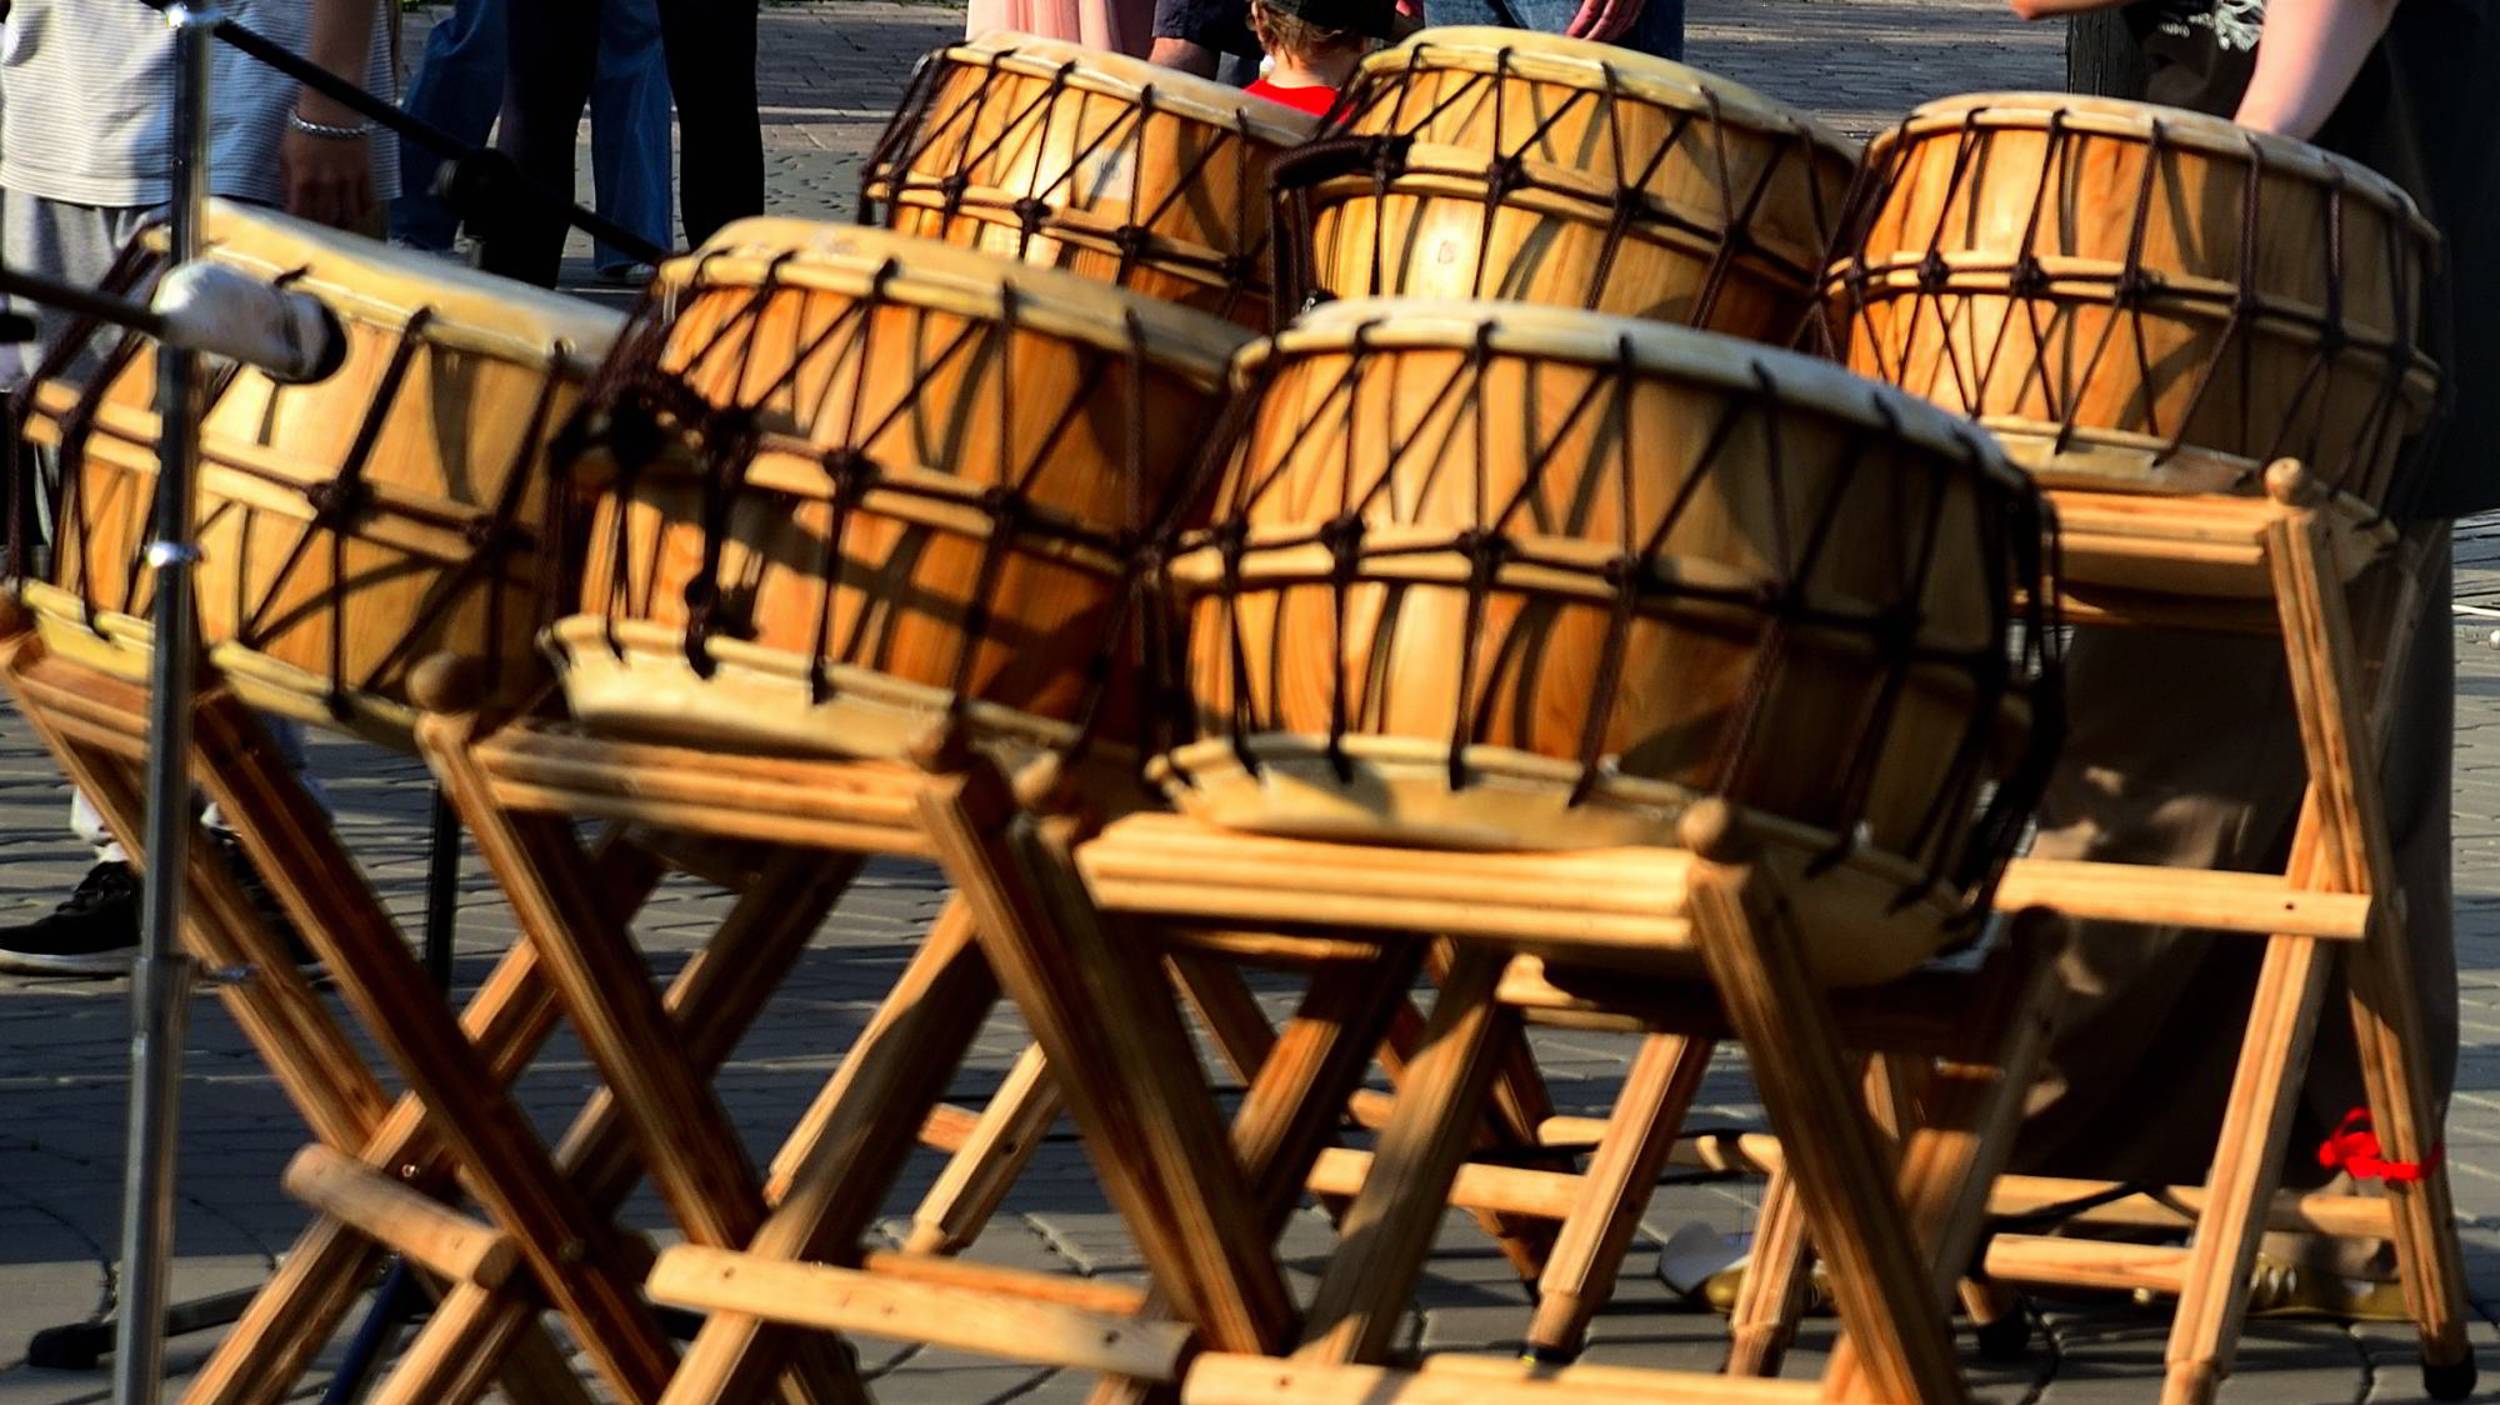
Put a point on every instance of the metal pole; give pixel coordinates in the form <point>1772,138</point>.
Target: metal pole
<point>160,992</point>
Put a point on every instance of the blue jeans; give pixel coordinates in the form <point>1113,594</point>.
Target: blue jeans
<point>460,87</point>
<point>1659,30</point>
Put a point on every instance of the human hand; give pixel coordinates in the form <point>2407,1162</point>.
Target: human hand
<point>328,180</point>
<point>1603,21</point>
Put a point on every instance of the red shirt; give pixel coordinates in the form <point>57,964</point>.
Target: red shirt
<point>1313,98</point>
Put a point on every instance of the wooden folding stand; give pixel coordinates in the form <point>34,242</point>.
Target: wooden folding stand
<point>519,787</point>
<point>379,1168</point>
<point>2286,563</point>
<point>1649,919</point>
<point>95,726</point>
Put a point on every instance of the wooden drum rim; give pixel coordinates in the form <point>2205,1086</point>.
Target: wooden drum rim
<point>374,283</point>
<point>1605,339</point>
<point>1080,228</point>
<point>2137,121</point>
<point>855,260</point>
<point>1582,63</point>
<point>1135,80</point>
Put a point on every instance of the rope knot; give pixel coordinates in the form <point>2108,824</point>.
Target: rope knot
<point>853,472</point>
<point>1487,551</point>
<point>337,500</point>
<point>1506,174</point>
<point>1006,506</point>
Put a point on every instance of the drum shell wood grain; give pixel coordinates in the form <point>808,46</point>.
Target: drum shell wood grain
<point>1687,667</point>
<point>924,589</point>
<point>437,554</point>
<point>1184,160</point>
<point>2245,248</point>
<point>1650,145</point>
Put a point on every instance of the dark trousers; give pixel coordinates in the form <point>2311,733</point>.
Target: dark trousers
<point>711,67</point>
<point>2183,749</point>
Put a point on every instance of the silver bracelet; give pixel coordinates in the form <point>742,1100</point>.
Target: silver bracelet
<point>296,122</point>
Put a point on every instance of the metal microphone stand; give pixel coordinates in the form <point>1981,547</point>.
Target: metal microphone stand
<point>162,975</point>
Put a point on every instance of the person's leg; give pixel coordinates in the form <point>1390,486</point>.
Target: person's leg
<point>629,126</point>
<point>711,68</point>
<point>2203,771</point>
<point>459,88</point>
<point>553,48</point>
<point>1658,30</point>
<point>1475,12</point>
<point>1205,37</point>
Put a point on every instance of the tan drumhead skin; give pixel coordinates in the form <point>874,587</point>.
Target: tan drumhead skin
<point>1557,58</point>
<point>2119,117</point>
<point>1567,334</point>
<point>847,258</point>
<point>359,277</point>
<point>1119,76</point>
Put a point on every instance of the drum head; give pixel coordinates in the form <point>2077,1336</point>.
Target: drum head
<point>1555,58</point>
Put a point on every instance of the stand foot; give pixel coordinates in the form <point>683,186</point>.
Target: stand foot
<point>2451,1381</point>
<point>1564,1356</point>
<point>2007,1339</point>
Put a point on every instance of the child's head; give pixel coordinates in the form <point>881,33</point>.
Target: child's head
<point>1320,34</point>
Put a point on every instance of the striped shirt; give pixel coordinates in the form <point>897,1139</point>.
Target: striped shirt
<point>86,87</point>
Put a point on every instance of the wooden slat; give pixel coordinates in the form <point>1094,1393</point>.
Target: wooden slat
<point>987,1161</point>
<point>893,1074</point>
<point>2171,1207</point>
<point>1222,1379</point>
<point>2257,904</point>
<point>1387,1235</point>
<point>422,1229</point>
<point>1623,1173</point>
<point>848,1300</point>
<point>1843,1178</point>
<point>1132,1080</point>
<point>290,841</point>
<point>2044,1261</point>
<point>1095,1295</point>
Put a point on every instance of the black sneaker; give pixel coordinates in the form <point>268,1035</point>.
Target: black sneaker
<point>92,933</point>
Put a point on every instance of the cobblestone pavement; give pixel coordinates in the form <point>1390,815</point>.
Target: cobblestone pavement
<point>830,72</point>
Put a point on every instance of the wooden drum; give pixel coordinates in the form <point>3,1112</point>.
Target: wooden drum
<point>1496,577</point>
<point>347,529</point>
<point>862,482</point>
<point>1499,163</point>
<point>1108,166</point>
<point>2142,298</point>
